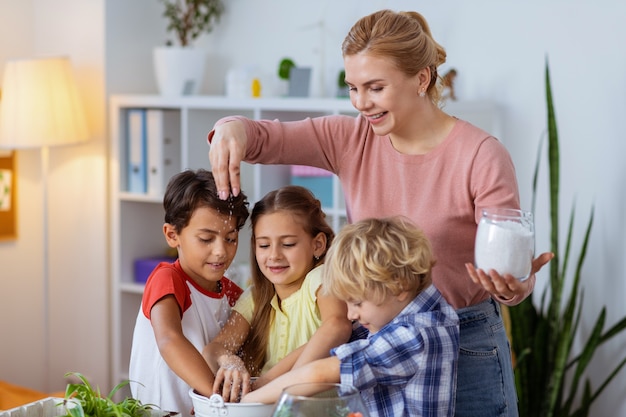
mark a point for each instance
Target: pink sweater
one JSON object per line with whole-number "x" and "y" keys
{"x": 442, "y": 191}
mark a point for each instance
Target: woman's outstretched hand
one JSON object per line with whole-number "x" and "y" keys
{"x": 227, "y": 149}
{"x": 506, "y": 287}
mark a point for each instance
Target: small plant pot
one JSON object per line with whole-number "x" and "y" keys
{"x": 179, "y": 71}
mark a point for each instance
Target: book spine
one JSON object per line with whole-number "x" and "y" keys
{"x": 163, "y": 127}
{"x": 136, "y": 141}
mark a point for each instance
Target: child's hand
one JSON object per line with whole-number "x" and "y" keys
{"x": 232, "y": 380}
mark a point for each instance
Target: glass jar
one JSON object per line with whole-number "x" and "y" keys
{"x": 505, "y": 242}
{"x": 320, "y": 399}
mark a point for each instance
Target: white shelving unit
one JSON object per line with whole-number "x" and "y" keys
{"x": 136, "y": 219}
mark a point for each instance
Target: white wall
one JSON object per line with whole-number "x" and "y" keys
{"x": 499, "y": 49}
{"x": 78, "y": 318}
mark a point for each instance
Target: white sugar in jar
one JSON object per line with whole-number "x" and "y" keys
{"x": 505, "y": 242}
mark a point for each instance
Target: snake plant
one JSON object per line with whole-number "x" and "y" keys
{"x": 549, "y": 374}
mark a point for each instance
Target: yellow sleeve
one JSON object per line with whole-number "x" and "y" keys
{"x": 313, "y": 282}
{"x": 245, "y": 305}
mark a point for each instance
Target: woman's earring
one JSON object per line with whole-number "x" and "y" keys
{"x": 317, "y": 258}
{"x": 422, "y": 93}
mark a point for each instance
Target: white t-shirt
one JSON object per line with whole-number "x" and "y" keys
{"x": 204, "y": 314}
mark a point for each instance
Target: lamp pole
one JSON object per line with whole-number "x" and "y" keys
{"x": 45, "y": 162}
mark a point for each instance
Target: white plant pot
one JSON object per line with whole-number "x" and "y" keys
{"x": 179, "y": 71}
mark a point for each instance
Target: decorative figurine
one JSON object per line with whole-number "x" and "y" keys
{"x": 448, "y": 84}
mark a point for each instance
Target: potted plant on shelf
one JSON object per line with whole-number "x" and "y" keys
{"x": 284, "y": 71}
{"x": 179, "y": 67}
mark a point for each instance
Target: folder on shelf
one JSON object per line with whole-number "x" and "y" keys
{"x": 136, "y": 142}
{"x": 163, "y": 141}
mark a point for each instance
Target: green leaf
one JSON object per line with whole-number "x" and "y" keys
{"x": 284, "y": 68}
{"x": 88, "y": 402}
{"x": 586, "y": 356}
{"x": 608, "y": 380}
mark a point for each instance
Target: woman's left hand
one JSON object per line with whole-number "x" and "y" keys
{"x": 506, "y": 287}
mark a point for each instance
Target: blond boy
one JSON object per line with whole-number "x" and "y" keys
{"x": 407, "y": 364}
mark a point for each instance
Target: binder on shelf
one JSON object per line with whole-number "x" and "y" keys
{"x": 163, "y": 142}
{"x": 136, "y": 142}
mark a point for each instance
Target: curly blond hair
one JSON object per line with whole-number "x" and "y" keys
{"x": 374, "y": 258}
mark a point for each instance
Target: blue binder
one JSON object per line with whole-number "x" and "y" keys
{"x": 136, "y": 151}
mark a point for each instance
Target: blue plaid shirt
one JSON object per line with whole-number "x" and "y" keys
{"x": 409, "y": 367}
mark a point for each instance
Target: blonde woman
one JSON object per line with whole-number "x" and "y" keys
{"x": 403, "y": 154}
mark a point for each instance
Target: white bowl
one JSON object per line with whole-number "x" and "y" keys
{"x": 215, "y": 406}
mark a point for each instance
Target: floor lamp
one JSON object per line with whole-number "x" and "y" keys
{"x": 40, "y": 107}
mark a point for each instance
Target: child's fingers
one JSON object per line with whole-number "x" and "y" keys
{"x": 246, "y": 386}
{"x": 219, "y": 380}
{"x": 231, "y": 387}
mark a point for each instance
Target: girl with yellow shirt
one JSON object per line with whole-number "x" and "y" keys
{"x": 283, "y": 320}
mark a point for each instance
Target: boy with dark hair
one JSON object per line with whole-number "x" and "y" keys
{"x": 186, "y": 303}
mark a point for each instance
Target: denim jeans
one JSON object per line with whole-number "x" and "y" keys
{"x": 485, "y": 381}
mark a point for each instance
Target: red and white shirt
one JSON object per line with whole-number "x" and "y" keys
{"x": 203, "y": 315}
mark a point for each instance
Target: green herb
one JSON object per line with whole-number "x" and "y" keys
{"x": 82, "y": 400}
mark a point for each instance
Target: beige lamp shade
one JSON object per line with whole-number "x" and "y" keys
{"x": 40, "y": 105}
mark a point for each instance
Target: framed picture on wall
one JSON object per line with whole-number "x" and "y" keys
{"x": 8, "y": 196}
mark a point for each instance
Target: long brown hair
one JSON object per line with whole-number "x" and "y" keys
{"x": 302, "y": 204}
